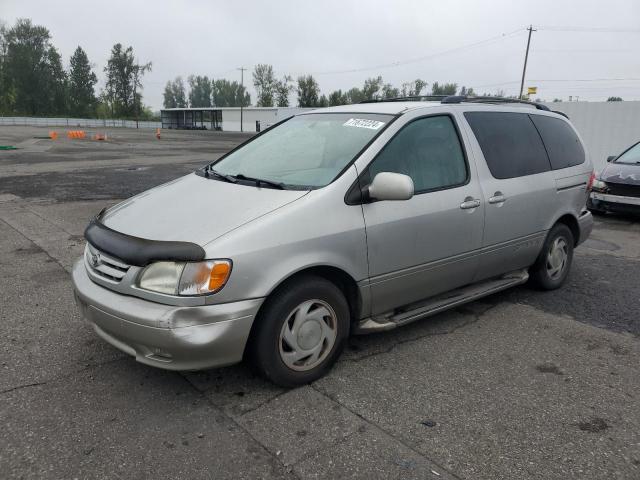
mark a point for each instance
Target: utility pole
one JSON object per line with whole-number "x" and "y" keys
{"x": 526, "y": 57}
{"x": 242, "y": 69}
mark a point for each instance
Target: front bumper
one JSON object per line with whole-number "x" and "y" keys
{"x": 166, "y": 336}
{"x": 614, "y": 203}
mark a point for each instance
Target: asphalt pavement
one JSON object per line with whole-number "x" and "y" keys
{"x": 522, "y": 384}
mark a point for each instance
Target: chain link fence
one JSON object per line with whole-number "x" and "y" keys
{"x": 77, "y": 122}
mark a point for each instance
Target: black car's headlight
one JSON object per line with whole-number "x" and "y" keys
{"x": 599, "y": 185}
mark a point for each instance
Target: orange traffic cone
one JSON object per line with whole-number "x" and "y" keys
{"x": 53, "y": 135}
{"x": 158, "y": 133}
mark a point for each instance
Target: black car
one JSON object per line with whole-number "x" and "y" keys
{"x": 617, "y": 187}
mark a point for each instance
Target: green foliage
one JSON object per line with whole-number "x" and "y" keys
{"x": 284, "y": 88}
{"x": 413, "y": 89}
{"x": 123, "y": 82}
{"x": 230, "y": 94}
{"x": 614, "y": 99}
{"x": 264, "y": 82}
{"x": 200, "y": 91}
{"x": 33, "y": 79}
{"x": 445, "y": 89}
{"x": 174, "y": 95}
{"x": 371, "y": 88}
{"x": 308, "y": 91}
{"x": 467, "y": 91}
{"x": 82, "y": 80}
{"x": 389, "y": 91}
{"x": 338, "y": 98}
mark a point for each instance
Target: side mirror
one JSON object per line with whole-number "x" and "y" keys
{"x": 611, "y": 158}
{"x": 390, "y": 186}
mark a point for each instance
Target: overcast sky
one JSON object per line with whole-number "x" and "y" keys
{"x": 405, "y": 39}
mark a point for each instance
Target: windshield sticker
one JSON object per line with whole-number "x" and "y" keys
{"x": 363, "y": 123}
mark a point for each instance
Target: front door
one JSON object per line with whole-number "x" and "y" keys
{"x": 426, "y": 245}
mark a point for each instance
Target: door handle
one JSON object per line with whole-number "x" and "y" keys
{"x": 470, "y": 203}
{"x": 498, "y": 197}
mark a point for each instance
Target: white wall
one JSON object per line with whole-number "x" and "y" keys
{"x": 607, "y": 128}
{"x": 267, "y": 116}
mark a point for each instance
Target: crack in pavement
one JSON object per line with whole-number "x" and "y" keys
{"x": 273, "y": 456}
{"x": 46, "y": 252}
{"x": 64, "y": 376}
{"x": 390, "y": 435}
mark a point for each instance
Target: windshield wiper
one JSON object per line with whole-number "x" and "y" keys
{"x": 260, "y": 181}
{"x": 210, "y": 171}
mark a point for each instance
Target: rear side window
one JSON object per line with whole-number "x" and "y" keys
{"x": 510, "y": 143}
{"x": 563, "y": 145}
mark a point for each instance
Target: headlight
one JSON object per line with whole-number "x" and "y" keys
{"x": 598, "y": 185}
{"x": 185, "y": 278}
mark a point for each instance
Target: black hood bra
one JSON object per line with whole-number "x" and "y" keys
{"x": 139, "y": 251}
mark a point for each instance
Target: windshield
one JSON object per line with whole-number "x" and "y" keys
{"x": 307, "y": 151}
{"x": 630, "y": 156}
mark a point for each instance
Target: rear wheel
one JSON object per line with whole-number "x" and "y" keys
{"x": 554, "y": 262}
{"x": 300, "y": 332}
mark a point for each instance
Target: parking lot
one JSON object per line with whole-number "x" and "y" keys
{"x": 522, "y": 384}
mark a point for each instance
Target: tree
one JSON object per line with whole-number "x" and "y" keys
{"x": 445, "y": 89}
{"x": 283, "y": 88}
{"x": 124, "y": 82}
{"x": 413, "y": 89}
{"x": 355, "y": 95}
{"x": 7, "y": 92}
{"x": 338, "y": 98}
{"x": 174, "y": 96}
{"x": 467, "y": 91}
{"x": 614, "y": 99}
{"x": 308, "y": 91}
{"x": 82, "y": 80}
{"x": 323, "y": 101}
{"x": 264, "y": 82}
{"x": 200, "y": 91}
{"x": 389, "y": 91}
{"x": 371, "y": 88}
{"x": 34, "y": 81}
{"x": 229, "y": 94}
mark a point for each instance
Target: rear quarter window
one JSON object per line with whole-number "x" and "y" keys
{"x": 562, "y": 143}
{"x": 510, "y": 143}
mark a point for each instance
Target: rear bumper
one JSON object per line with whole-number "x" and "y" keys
{"x": 165, "y": 336}
{"x": 613, "y": 203}
{"x": 585, "y": 223}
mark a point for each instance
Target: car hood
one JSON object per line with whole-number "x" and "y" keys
{"x": 194, "y": 209}
{"x": 621, "y": 173}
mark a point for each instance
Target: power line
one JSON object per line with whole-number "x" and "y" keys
{"x": 559, "y": 80}
{"x": 587, "y": 29}
{"x": 426, "y": 57}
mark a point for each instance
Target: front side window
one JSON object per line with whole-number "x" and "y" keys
{"x": 307, "y": 151}
{"x": 428, "y": 150}
{"x": 631, "y": 156}
{"x": 510, "y": 143}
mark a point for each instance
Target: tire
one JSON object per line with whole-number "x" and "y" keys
{"x": 309, "y": 314}
{"x": 552, "y": 267}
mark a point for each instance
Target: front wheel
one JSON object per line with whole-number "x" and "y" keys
{"x": 554, "y": 262}
{"x": 300, "y": 332}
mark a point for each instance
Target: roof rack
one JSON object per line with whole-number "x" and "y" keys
{"x": 457, "y": 99}
{"x": 466, "y": 99}
{"x": 409, "y": 98}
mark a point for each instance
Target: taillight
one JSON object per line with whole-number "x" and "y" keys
{"x": 590, "y": 182}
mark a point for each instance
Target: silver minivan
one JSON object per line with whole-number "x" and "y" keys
{"x": 345, "y": 220}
